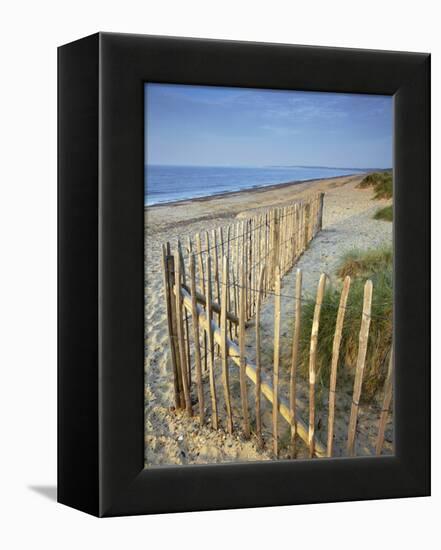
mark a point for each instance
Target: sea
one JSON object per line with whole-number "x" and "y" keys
{"x": 173, "y": 183}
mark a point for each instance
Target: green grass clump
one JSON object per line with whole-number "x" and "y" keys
{"x": 381, "y": 183}
{"x": 376, "y": 265}
{"x": 385, "y": 214}
{"x": 356, "y": 263}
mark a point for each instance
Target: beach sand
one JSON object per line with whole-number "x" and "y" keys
{"x": 173, "y": 438}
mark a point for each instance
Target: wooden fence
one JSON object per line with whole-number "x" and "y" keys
{"x": 216, "y": 285}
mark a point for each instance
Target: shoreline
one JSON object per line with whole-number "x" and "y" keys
{"x": 254, "y": 189}
{"x": 173, "y": 216}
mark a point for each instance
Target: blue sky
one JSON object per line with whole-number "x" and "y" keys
{"x": 217, "y": 126}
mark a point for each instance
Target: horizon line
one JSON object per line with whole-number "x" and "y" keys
{"x": 361, "y": 168}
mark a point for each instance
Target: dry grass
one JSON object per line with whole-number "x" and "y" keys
{"x": 381, "y": 182}
{"x": 357, "y": 263}
{"x": 376, "y": 265}
{"x": 385, "y": 214}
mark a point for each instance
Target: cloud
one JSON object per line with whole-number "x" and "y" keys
{"x": 276, "y": 104}
{"x": 305, "y": 109}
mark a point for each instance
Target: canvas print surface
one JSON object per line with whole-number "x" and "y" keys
{"x": 268, "y": 275}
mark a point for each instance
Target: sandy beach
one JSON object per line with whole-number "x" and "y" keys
{"x": 170, "y": 436}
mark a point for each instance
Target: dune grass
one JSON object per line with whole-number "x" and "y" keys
{"x": 376, "y": 265}
{"x": 357, "y": 263}
{"x": 385, "y": 214}
{"x": 381, "y": 182}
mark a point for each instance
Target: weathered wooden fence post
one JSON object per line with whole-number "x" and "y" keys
{"x": 168, "y": 293}
{"x": 313, "y": 361}
{"x": 276, "y": 257}
{"x": 202, "y": 286}
{"x": 276, "y": 362}
{"x": 386, "y": 404}
{"x": 235, "y": 277}
{"x": 294, "y": 359}
{"x": 334, "y": 362}
{"x": 258, "y": 357}
{"x": 208, "y": 310}
{"x": 196, "y": 346}
{"x": 320, "y": 211}
{"x": 303, "y": 227}
{"x": 242, "y": 375}
{"x": 216, "y": 276}
{"x": 361, "y": 359}
{"x": 180, "y": 326}
{"x": 174, "y": 317}
{"x": 187, "y": 331}
{"x": 224, "y": 347}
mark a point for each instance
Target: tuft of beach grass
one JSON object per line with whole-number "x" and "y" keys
{"x": 373, "y": 264}
{"x": 381, "y": 182}
{"x": 385, "y": 214}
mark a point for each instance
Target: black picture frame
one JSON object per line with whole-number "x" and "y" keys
{"x": 101, "y": 273}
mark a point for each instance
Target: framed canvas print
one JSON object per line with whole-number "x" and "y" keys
{"x": 244, "y": 274}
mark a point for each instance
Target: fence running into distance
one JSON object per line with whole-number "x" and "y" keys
{"x": 215, "y": 284}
